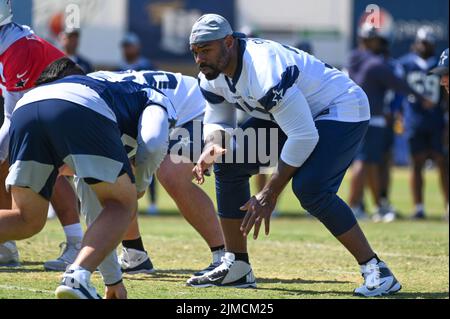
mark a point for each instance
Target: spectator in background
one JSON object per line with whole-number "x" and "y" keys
{"x": 425, "y": 125}
{"x": 442, "y": 71}
{"x": 132, "y": 57}
{"x": 133, "y": 60}
{"x": 370, "y": 69}
{"x": 69, "y": 40}
{"x": 392, "y": 112}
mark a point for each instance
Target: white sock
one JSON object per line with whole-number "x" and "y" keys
{"x": 419, "y": 207}
{"x": 78, "y": 268}
{"x": 73, "y": 231}
{"x": 218, "y": 254}
{"x": 75, "y": 267}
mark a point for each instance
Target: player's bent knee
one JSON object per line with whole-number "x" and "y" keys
{"x": 32, "y": 228}
{"x": 126, "y": 210}
{"x": 313, "y": 202}
{"x": 332, "y": 211}
{"x": 173, "y": 175}
{"x": 122, "y": 193}
{"x": 32, "y": 223}
{"x": 32, "y": 209}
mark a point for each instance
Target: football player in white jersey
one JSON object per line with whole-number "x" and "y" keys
{"x": 320, "y": 116}
{"x": 75, "y": 124}
{"x": 174, "y": 174}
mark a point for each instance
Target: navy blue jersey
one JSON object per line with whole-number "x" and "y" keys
{"x": 416, "y": 74}
{"x": 376, "y": 75}
{"x": 118, "y": 98}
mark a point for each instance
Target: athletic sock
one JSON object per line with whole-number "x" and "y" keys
{"x": 242, "y": 257}
{"x": 420, "y": 208}
{"x": 213, "y": 249}
{"x": 77, "y": 268}
{"x": 218, "y": 253}
{"x": 136, "y": 244}
{"x": 73, "y": 231}
{"x": 374, "y": 256}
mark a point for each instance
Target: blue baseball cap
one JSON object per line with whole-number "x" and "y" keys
{"x": 442, "y": 68}
{"x": 210, "y": 27}
{"x": 131, "y": 39}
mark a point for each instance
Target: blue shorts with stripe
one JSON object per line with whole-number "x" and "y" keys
{"x": 48, "y": 134}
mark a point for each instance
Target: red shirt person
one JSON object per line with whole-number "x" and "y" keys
{"x": 23, "y": 57}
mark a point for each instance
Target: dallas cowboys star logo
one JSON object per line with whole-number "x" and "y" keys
{"x": 277, "y": 96}
{"x": 444, "y": 57}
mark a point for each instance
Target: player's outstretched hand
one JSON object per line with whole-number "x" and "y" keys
{"x": 116, "y": 292}
{"x": 205, "y": 161}
{"x": 259, "y": 207}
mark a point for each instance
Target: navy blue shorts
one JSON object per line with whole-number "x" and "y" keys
{"x": 187, "y": 140}
{"x": 426, "y": 139}
{"x": 48, "y": 134}
{"x": 373, "y": 145}
{"x": 322, "y": 172}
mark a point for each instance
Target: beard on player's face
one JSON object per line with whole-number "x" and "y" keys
{"x": 212, "y": 70}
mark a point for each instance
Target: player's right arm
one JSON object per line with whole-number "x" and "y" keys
{"x": 153, "y": 142}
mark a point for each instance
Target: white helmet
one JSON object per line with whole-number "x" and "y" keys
{"x": 5, "y": 12}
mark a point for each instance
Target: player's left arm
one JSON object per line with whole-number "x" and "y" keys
{"x": 153, "y": 142}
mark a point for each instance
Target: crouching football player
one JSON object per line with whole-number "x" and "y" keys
{"x": 73, "y": 124}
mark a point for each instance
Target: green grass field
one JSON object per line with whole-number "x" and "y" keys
{"x": 300, "y": 259}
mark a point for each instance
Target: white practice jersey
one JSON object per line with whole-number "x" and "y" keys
{"x": 183, "y": 91}
{"x": 269, "y": 73}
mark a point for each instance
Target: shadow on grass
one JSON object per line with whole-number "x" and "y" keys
{"x": 347, "y": 294}
{"x": 298, "y": 281}
{"x": 26, "y": 267}
{"x": 291, "y": 215}
{"x": 308, "y": 292}
{"x": 15, "y": 270}
{"x": 164, "y": 275}
{"x": 170, "y": 213}
{"x": 181, "y": 275}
